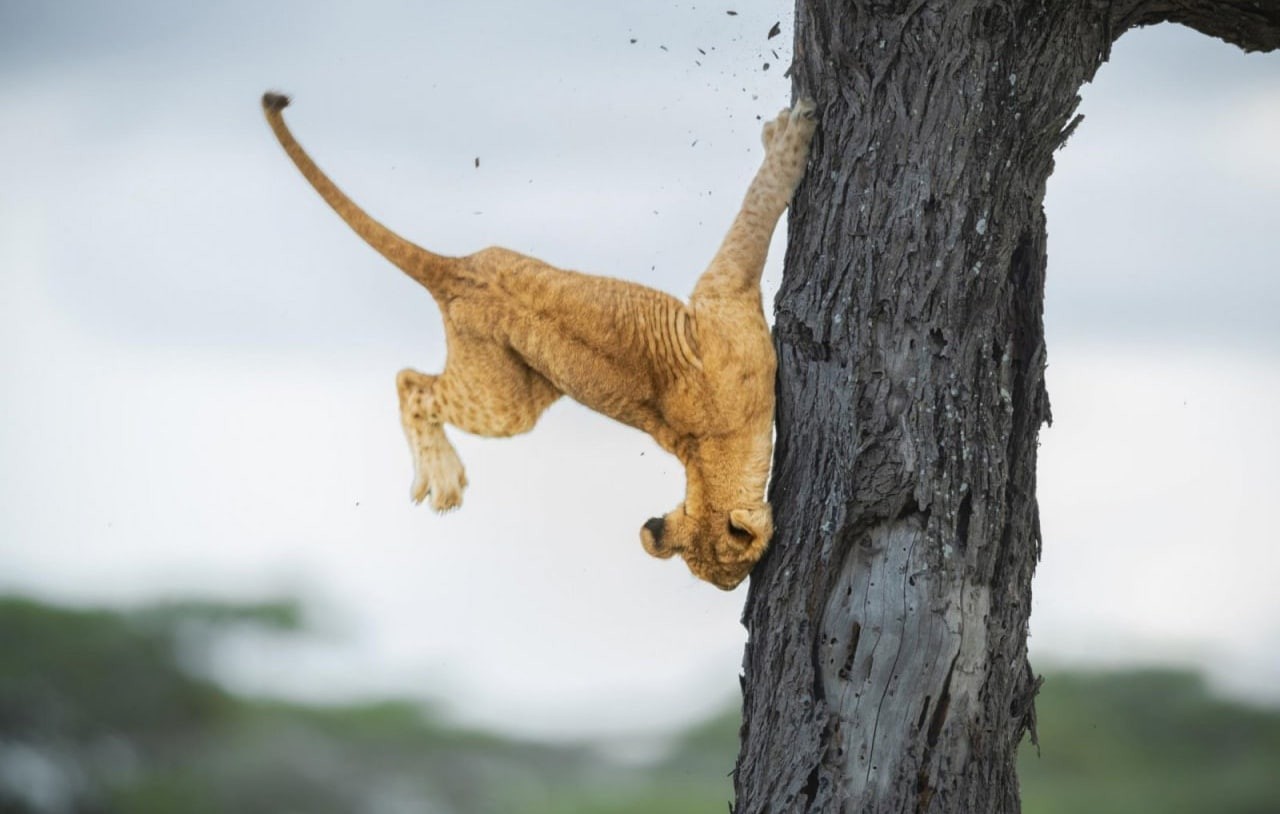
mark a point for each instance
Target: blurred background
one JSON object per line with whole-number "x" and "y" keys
{"x": 219, "y": 597}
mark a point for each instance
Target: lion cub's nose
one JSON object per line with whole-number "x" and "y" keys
{"x": 651, "y": 538}
{"x": 655, "y": 525}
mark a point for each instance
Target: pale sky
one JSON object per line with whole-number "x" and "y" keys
{"x": 198, "y": 357}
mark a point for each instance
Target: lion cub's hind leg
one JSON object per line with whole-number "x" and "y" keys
{"x": 485, "y": 390}
{"x": 437, "y": 470}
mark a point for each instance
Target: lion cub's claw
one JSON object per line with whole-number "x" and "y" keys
{"x": 806, "y": 108}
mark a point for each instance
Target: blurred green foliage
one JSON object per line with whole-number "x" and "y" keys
{"x": 106, "y": 711}
{"x": 1151, "y": 741}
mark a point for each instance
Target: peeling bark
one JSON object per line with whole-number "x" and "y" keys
{"x": 886, "y": 665}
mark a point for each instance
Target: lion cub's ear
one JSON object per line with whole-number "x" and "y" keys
{"x": 753, "y": 528}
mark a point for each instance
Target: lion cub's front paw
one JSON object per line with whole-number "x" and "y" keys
{"x": 773, "y": 128}
{"x": 791, "y": 129}
{"x": 786, "y": 141}
{"x": 438, "y": 472}
{"x": 793, "y": 143}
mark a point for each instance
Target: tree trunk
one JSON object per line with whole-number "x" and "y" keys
{"x": 886, "y": 667}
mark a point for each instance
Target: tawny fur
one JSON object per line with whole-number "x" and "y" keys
{"x": 699, "y": 377}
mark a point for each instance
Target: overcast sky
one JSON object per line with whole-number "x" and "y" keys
{"x": 198, "y": 357}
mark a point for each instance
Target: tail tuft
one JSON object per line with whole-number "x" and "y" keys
{"x": 274, "y": 101}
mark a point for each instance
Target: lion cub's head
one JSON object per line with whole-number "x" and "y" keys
{"x": 720, "y": 547}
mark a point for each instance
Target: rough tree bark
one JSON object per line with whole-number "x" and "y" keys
{"x": 886, "y": 668}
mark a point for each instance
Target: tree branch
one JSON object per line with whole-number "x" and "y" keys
{"x": 1252, "y": 25}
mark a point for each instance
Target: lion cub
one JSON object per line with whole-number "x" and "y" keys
{"x": 696, "y": 377}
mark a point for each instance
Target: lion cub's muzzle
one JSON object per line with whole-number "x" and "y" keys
{"x": 723, "y": 558}
{"x": 651, "y": 537}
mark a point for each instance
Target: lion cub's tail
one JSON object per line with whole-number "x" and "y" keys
{"x": 426, "y": 267}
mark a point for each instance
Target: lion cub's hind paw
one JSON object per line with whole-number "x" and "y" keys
{"x": 447, "y": 499}
{"x": 438, "y": 474}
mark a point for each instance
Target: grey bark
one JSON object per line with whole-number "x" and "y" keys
{"x": 886, "y": 667}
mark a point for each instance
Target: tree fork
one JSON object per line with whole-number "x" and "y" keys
{"x": 886, "y": 666}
